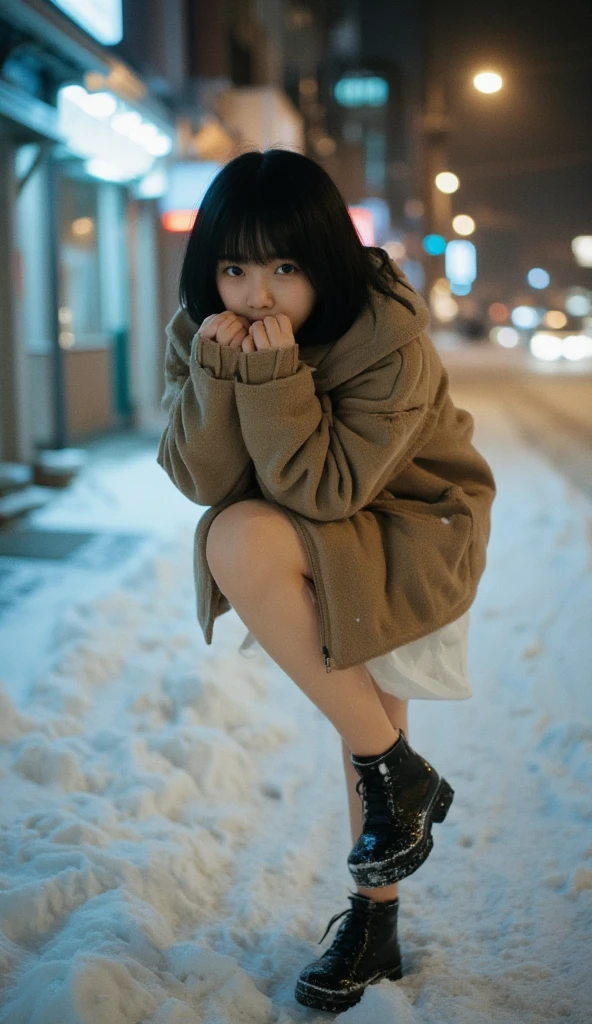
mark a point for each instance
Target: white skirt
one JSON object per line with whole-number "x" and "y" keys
{"x": 432, "y": 668}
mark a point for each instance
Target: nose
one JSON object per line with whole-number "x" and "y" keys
{"x": 258, "y": 295}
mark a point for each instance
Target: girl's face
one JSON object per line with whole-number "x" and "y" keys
{"x": 254, "y": 291}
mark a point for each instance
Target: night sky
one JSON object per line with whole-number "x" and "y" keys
{"x": 524, "y": 156}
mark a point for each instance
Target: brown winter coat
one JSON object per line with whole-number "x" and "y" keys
{"x": 367, "y": 455}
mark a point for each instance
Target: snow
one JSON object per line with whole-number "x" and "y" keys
{"x": 173, "y": 817}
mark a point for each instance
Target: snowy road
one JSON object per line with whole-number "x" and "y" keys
{"x": 159, "y": 861}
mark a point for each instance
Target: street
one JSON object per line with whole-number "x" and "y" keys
{"x": 159, "y": 856}
{"x": 550, "y": 405}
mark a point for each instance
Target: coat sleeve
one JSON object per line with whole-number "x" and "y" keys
{"x": 327, "y": 458}
{"x": 201, "y": 448}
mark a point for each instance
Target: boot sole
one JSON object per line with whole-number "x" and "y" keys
{"x": 333, "y": 1002}
{"x": 391, "y": 871}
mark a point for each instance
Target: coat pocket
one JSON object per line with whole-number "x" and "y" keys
{"x": 450, "y": 502}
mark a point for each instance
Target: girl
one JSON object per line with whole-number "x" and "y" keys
{"x": 349, "y": 510}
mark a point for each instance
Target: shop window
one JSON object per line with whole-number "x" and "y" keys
{"x": 80, "y": 298}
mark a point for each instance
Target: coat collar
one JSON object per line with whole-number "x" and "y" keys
{"x": 380, "y": 329}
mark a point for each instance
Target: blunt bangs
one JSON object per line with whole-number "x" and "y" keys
{"x": 282, "y": 205}
{"x": 256, "y": 234}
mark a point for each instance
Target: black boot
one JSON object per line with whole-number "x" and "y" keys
{"x": 402, "y": 796}
{"x": 364, "y": 950}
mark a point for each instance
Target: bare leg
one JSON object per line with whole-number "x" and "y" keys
{"x": 397, "y": 712}
{"x": 259, "y": 563}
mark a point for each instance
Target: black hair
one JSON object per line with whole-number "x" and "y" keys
{"x": 280, "y": 204}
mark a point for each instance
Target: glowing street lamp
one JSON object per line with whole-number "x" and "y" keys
{"x": 438, "y": 183}
{"x": 488, "y": 81}
{"x": 447, "y": 182}
{"x": 582, "y": 250}
{"x": 463, "y": 224}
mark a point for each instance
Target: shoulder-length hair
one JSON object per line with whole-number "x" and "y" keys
{"x": 279, "y": 204}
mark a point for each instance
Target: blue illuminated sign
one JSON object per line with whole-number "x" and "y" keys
{"x": 100, "y": 18}
{"x": 461, "y": 262}
{"x": 361, "y": 92}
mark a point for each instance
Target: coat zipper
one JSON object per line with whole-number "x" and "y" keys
{"x": 320, "y": 594}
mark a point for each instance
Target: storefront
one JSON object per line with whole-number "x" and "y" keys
{"x": 92, "y": 254}
{"x": 79, "y": 177}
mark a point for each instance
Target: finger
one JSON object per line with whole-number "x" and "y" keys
{"x": 228, "y": 329}
{"x": 285, "y": 324}
{"x": 287, "y": 335}
{"x": 248, "y": 344}
{"x": 206, "y": 327}
{"x": 279, "y": 330}
{"x": 259, "y": 335}
{"x": 231, "y": 323}
{"x": 243, "y": 319}
{"x": 238, "y": 338}
{"x": 211, "y": 324}
{"x": 274, "y": 331}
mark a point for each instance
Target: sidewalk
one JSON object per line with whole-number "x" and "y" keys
{"x": 159, "y": 858}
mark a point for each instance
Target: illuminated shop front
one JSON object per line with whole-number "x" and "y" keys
{"x": 82, "y": 165}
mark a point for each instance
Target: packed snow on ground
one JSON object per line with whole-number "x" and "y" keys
{"x": 174, "y": 827}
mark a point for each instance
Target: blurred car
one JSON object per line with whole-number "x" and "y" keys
{"x": 472, "y": 329}
{"x": 553, "y": 346}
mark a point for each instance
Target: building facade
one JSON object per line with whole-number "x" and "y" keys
{"x": 114, "y": 116}
{"x": 100, "y": 103}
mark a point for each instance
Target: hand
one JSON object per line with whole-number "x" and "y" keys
{"x": 271, "y": 332}
{"x": 227, "y": 328}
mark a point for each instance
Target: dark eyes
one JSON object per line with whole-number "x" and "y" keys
{"x": 284, "y": 269}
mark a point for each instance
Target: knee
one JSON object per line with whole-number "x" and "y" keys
{"x": 228, "y": 539}
{"x": 250, "y": 538}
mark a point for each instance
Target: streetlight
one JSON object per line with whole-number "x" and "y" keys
{"x": 488, "y": 81}
{"x": 447, "y": 182}
{"x": 463, "y": 224}
{"x": 582, "y": 250}
{"x": 437, "y": 183}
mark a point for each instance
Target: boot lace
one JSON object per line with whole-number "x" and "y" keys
{"x": 345, "y": 938}
{"x": 375, "y": 799}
